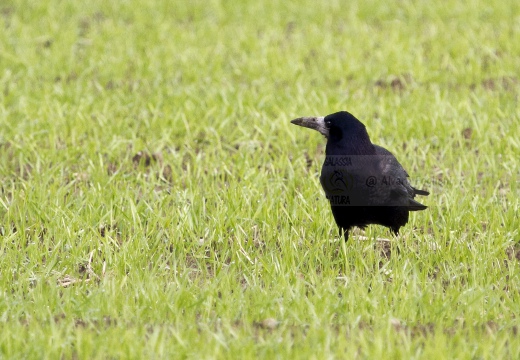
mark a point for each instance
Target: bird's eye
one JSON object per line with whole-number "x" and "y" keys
{"x": 327, "y": 123}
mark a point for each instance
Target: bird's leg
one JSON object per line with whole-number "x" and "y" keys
{"x": 395, "y": 231}
{"x": 344, "y": 231}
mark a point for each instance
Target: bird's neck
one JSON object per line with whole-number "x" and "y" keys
{"x": 350, "y": 146}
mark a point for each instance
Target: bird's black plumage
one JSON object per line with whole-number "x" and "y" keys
{"x": 364, "y": 183}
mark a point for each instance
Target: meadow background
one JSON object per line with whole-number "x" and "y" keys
{"x": 156, "y": 202}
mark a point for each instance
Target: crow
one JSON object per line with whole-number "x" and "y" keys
{"x": 364, "y": 182}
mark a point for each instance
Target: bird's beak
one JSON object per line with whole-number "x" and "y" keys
{"x": 316, "y": 123}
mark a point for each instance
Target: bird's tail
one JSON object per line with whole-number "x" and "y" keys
{"x": 416, "y": 206}
{"x": 421, "y": 192}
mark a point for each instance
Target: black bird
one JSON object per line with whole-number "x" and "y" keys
{"x": 364, "y": 182}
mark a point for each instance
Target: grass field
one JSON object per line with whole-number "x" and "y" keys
{"x": 156, "y": 202}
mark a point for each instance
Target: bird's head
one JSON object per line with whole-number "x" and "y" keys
{"x": 334, "y": 126}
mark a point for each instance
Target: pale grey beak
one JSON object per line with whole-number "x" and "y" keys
{"x": 313, "y": 122}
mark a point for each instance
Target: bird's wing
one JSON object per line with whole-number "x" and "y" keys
{"x": 395, "y": 187}
{"x": 396, "y": 169}
{"x": 367, "y": 180}
{"x": 384, "y": 152}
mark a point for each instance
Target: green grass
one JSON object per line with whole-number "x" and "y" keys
{"x": 217, "y": 241}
